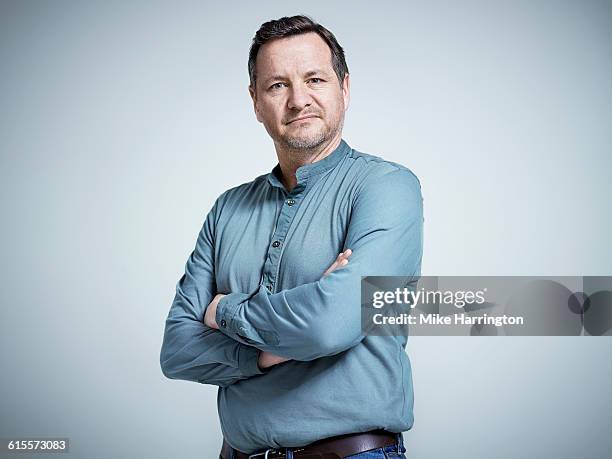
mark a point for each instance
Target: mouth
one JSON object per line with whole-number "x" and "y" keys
{"x": 302, "y": 118}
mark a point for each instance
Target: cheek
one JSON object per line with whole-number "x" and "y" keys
{"x": 334, "y": 108}
{"x": 333, "y": 103}
{"x": 270, "y": 113}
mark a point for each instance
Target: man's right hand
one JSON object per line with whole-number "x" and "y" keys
{"x": 267, "y": 359}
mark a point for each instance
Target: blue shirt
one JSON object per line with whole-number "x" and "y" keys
{"x": 267, "y": 249}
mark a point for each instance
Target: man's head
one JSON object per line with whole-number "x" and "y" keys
{"x": 299, "y": 82}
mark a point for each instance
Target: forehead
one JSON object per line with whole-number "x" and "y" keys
{"x": 298, "y": 53}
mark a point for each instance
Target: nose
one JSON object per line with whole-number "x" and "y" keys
{"x": 299, "y": 97}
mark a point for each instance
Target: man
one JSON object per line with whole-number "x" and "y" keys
{"x": 267, "y": 310}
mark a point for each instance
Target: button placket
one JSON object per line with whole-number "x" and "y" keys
{"x": 285, "y": 217}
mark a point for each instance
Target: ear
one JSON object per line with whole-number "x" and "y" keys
{"x": 346, "y": 91}
{"x": 253, "y": 93}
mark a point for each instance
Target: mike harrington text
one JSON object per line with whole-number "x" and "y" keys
{"x": 454, "y": 319}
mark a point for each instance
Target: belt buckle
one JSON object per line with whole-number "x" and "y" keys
{"x": 263, "y": 455}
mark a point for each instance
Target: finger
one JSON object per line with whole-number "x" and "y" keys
{"x": 336, "y": 265}
{"x": 341, "y": 260}
{"x": 331, "y": 268}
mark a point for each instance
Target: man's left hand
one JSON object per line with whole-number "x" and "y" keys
{"x": 211, "y": 312}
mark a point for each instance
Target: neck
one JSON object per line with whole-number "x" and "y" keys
{"x": 291, "y": 159}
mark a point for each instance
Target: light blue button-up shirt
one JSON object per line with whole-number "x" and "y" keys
{"x": 267, "y": 249}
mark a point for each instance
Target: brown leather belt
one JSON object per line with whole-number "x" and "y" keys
{"x": 328, "y": 448}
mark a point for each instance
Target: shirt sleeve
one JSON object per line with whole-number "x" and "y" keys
{"x": 323, "y": 318}
{"x": 191, "y": 350}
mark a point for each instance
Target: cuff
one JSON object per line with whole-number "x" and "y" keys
{"x": 226, "y": 313}
{"x": 232, "y": 321}
{"x": 248, "y": 357}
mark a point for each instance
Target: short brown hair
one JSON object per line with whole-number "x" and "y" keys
{"x": 296, "y": 25}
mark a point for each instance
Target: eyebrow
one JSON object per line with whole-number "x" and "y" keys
{"x": 306, "y": 75}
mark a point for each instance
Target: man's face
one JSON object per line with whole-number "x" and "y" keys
{"x": 297, "y": 96}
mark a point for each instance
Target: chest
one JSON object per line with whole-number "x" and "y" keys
{"x": 278, "y": 241}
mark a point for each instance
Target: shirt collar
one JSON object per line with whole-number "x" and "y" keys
{"x": 306, "y": 171}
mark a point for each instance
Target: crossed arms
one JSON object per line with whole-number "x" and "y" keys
{"x": 307, "y": 322}
{"x": 267, "y": 359}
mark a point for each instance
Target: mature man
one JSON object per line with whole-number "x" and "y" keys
{"x": 267, "y": 310}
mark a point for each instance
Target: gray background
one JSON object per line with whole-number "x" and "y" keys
{"x": 121, "y": 122}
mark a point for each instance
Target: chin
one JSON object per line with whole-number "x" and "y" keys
{"x": 304, "y": 143}
{"x": 311, "y": 140}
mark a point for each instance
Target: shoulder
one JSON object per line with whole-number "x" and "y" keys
{"x": 380, "y": 176}
{"x": 241, "y": 192}
{"x": 386, "y": 193}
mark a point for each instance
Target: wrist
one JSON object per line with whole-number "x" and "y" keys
{"x": 262, "y": 361}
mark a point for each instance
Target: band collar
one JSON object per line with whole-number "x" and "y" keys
{"x": 305, "y": 172}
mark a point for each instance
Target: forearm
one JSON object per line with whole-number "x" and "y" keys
{"x": 194, "y": 352}
{"x": 299, "y": 324}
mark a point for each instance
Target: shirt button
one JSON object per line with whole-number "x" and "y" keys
{"x": 290, "y": 202}
{"x": 275, "y": 244}
{"x": 223, "y": 323}
{"x": 269, "y": 287}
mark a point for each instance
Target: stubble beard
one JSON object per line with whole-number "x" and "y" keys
{"x": 310, "y": 141}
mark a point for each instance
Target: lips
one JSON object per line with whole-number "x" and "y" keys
{"x": 305, "y": 117}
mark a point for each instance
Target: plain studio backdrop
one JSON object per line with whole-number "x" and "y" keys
{"x": 121, "y": 122}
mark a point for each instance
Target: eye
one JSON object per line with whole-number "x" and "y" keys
{"x": 316, "y": 80}
{"x": 277, "y": 86}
